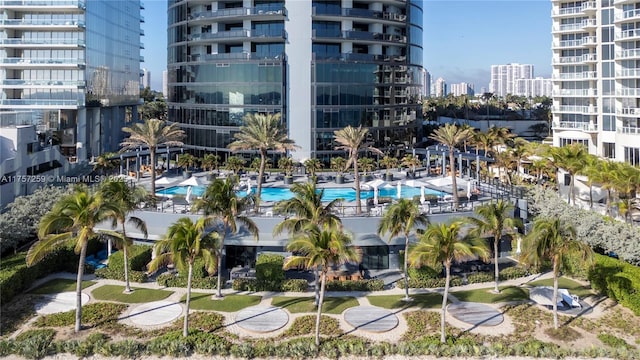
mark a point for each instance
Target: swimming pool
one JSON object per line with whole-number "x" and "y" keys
{"x": 279, "y": 193}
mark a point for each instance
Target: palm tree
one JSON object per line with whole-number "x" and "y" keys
{"x": 494, "y": 219}
{"x": 152, "y": 133}
{"x": 312, "y": 166}
{"x": 186, "y": 161}
{"x": 388, "y": 162}
{"x": 410, "y": 162}
{"x": 210, "y": 162}
{"x": 353, "y": 140}
{"x": 572, "y": 158}
{"x": 106, "y": 162}
{"x": 338, "y": 164}
{"x": 220, "y": 203}
{"x": 444, "y": 244}
{"x": 235, "y": 164}
{"x": 126, "y": 200}
{"x": 403, "y": 218}
{"x": 72, "y": 220}
{"x": 451, "y": 136}
{"x": 366, "y": 164}
{"x": 320, "y": 248}
{"x": 262, "y": 132}
{"x": 551, "y": 239}
{"x": 307, "y": 208}
{"x": 625, "y": 181}
{"x": 185, "y": 242}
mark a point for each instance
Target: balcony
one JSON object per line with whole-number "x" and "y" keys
{"x": 238, "y": 34}
{"x": 633, "y": 34}
{"x": 629, "y": 15}
{"x": 575, "y": 92}
{"x": 589, "y": 24}
{"x": 628, "y": 73}
{"x": 628, "y": 54}
{"x": 589, "y": 7}
{"x": 585, "y": 75}
{"x": 567, "y": 44}
{"x": 240, "y": 56}
{"x": 629, "y": 112}
{"x": 42, "y": 102}
{"x": 55, "y": 4}
{"x": 589, "y": 58}
{"x": 349, "y": 57}
{"x": 575, "y": 125}
{"x": 628, "y": 130}
{"x": 57, "y": 24}
{"x": 628, "y": 92}
{"x": 568, "y": 28}
{"x": 262, "y": 11}
{"x": 575, "y": 59}
{"x": 568, "y": 11}
{"x": 42, "y": 43}
{"x": 575, "y": 109}
{"x": 28, "y": 63}
{"x": 19, "y": 83}
{"x": 589, "y": 41}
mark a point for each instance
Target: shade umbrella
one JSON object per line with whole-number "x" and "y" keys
{"x": 468, "y": 189}
{"x": 188, "y": 197}
{"x": 399, "y": 195}
{"x": 248, "y": 187}
{"x": 375, "y": 196}
{"x": 422, "y": 199}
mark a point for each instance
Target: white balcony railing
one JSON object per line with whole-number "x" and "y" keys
{"x": 628, "y": 73}
{"x": 628, "y": 34}
{"x": 576, "y": 75}
{"x": 575, "y": 92}
{"x": 629, "y": 130}
{"x": 577, "y": 125}
{"x": 628, "y": 15}
{"x": 629, "y": 111}
{"x": 628, "y": 54}
{"x": 628, "y": 92}
{"x": 577, "y": 109}
{"x": 588, "y": 23}
{"x": 588, "y": 6}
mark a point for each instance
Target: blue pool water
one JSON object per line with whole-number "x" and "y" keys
{"x": 278, "y": 193}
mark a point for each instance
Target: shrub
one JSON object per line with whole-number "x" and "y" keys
{"x": 356, "y": 285}
{"x": 139, "y": 257}
{"x": 295, "y": 285}
{"x": 176, "y": 280}
{"x": 269, "y": 272}
{"x": 480, "y": 277}
{"x": 424, "y": 273}
{"x": 92, "y": 314}
{"x": 564, "y": 333}
{"x": 618, "y": 280}
{"x": 242, "y": 284}
{"x": 429, "y": 283}
{"x": 612, "y": 341}
{"x": 305, "y": 325}
{"x": 513, "y": 272}
{"x": 34, "y": 344}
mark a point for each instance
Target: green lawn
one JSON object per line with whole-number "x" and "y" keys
{"x": 139, "y": 295}
{"x": 423, "y": 301}
{"x": 230, "y": 303}
{"x": 508, "y": 293}
{"x": 330, "y": 305}
{"x": 59, "y": 285}
{"x": 565, "y": 283}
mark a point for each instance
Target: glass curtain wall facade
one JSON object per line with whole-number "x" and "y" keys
{"x": 75, "y": 64}
{"x": 596, "y": 74}
{"x": 322, "y": 64}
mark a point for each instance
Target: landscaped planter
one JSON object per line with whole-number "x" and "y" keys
{"x": 339, "y": 179}
{"x": 186, "y": 174}
{"x": 366, "y": 178}
{"x": 288, "y": 180}
{"x": 388, "y": 177}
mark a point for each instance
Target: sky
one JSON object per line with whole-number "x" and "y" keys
{"x": 462, "y": 38}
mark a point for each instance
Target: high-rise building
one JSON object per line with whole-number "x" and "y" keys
{"x": 596, "y": 77}
{"x": 427, "y": 84}
{"x": 461, "y": 89}
{"x": 165, "y": 83}
{"x": 145, "y": 79}
{"x": 323, "y": 65}
{"x": 439, "y": 88}
{"x": 75, "y": 65}
{"x": 534, "y": 87}
{"x": 503, "y": 77}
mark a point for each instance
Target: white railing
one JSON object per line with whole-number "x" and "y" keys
{"x": 628, "y": 53}
{"x": 567, "y": 11}
{"x": 627, "y": 34}
{"x": 585, "y": 126}
{"x": 588, "y": 40}
{"x": 628, "y": 73}
{"x": 628, "y": 92}
{"x": 628, "y": 130}
{"x": 588, "y": 23}
{"x": 629, "y": 14}
{"x": 575, "y": 92}
{"x": 629, "y": 111}
{"x": 589, "y": 5}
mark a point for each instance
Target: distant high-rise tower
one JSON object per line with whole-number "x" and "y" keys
{"x": 533, "y": 87}
{"x": 145, "y": 79}
{"x": 322, "y": 65}
{"x": 462, "y": 89}
{"x": 165, "y": 84}
{"x": 596, "y": 77}
{"x": 440, "y": 88}
{"x": 503, "y": 77}
{"x": 427, "y": 84}
{"x": 75, "y": 64}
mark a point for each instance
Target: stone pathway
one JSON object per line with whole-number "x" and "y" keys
{"x": 371, "y": 318}
{"x": 262, "y": 319}
{"x": 475, "y": 313}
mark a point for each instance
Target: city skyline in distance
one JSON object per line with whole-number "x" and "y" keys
{"x": 462, "y": 38}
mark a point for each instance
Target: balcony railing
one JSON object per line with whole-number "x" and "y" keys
{"x": 20, "y": 82}
{"x": 244, "y": 11}
{"x": 577, "y": 75}
{"x": 629, "y": 130}
{"x": 631, "y": 111}
{"x": 628, "y": 54}
{"x": 628, "y": 73}
{"x": 37, "y": 22}
{"x": 578, "y": 125}
{"x": 578, "y": 109}
{"x": 628, "y": 15}
{"x": 628, "y": 34}
{"x": 239, "y": 34}
{"x": 51, "y": 42}
{"x": 240, "y": 56}
{"x": 567, "y": 11}
{"x": 41, "y": 61}
{"x": 588, "y": 6}
{"x": 568, "y": 27}
{"x": 589, "y": 40}
{"x": 575, "y": 92}
{"x": 41, "y": 102}
{"x": 574, "y": 59}
{"x": 40, "y": 3}
{"x": 628, "y": 92}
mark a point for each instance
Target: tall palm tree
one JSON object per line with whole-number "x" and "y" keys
{"x": 451, "y": 136}
{"x": 494, "y": 219}
{"x": 105, "y": 163}
{"x": 353, "y": 140}
{"x": 210, "y": 162}
{"x": 571, "y": 158}
{"x": 312, "y": 165}
{"x": 626, "y": 180}
{"x": 221, "y": 204}
{"x": 152, "y": 133}
{"x": 551, "y": 239}
{"x": 262, "y": 132}
{"x": 320, "y": 248}
{"x": 403, "y": 217}
{"x": 185, "y": 242}
{"x": 388, "y": 162}
{"x": 444, "y": 244}
{"x": 72, "y": 220}
{"x": 307, "y": 208}
{"x": 126, "y": 200}
{"x": 235, "y": 164}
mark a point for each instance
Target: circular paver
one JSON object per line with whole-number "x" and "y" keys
{"x": 262, "y": 318}
{"x": 60, "y": 303}
{"x": 155, "y": 313}
{"x": 370, "y": 318}
{"x": 475, "y": 314}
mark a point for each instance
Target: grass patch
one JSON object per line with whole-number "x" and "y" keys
{"x": 574, "y": 287}
{"x": 230, "y": 303}
{"x": 139, "y": 295}
{"x": 423, "y": 301}
{"x": 59, "y": 285}
{"x": 507, "y": 293}
{"x": 330, "y": 305}
{"x": 564, "y": 333}
{"x": 94, "y": 314}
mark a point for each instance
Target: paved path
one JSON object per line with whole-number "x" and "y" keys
{"x": 371, "y": 318}
{"x": 475, "y": 313}
{"x": 262, "y": 318}
{"x": 154, "y": 313}
{"x": 61, "y": 302}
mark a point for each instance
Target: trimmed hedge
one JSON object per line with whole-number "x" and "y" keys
{"x": 243, "y": 284}
{"x": 291, "y": 285}
{"x": 139, "y": 257}
{"x": 356, "y": 285}
{"x": 269, "y": 272}
{"x": 176, "y": 280}
{"x": 618, "y": 280}
{"x": 513, "y": 272}
{"x": 429, "y": 283}
{"x": 295, "y": 285}
{"x": 16, "y": 277}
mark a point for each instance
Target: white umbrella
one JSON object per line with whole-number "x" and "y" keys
{"x": 399, "y": 195}
{"x": 193, "y": 181}
{"x": 415, "y": 183}
{"x": 248, "y": 187}
{"x": 375, "y": 196}
{"x": 188, "y": 197}
{"x": 164, "y": 181}
{"x": 422, "y": 199}
{"x": 468, "y": 189}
